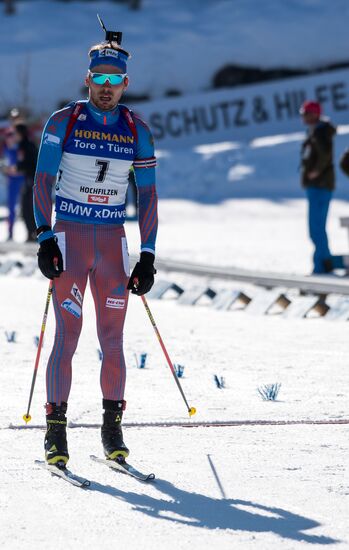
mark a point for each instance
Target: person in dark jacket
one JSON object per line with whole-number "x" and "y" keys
{"x": 27, "y": 156}
{"x": 318, "y": 180}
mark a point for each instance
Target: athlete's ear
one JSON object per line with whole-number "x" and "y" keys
{"x": 87, "y": 82}
{"x": 126, "y": 82}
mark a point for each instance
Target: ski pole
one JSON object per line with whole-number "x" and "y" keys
{"x": 191, "y": 410}
{"x": 26, "y": 417}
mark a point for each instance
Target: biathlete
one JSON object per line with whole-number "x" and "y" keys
{"x": 86, "y": 152}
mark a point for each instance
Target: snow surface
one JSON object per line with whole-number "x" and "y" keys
{"x": 233, "y": 204}
{"x": 279, "y": 487}
{"x": 283, "y": 486}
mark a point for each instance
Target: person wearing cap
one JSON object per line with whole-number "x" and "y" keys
{"x": 86, "y": 152}
{"x": 318, "y": 180}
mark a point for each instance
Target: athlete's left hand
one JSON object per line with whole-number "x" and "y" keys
{"x": 142, "y": 276}
{"x": 50, "y": 258}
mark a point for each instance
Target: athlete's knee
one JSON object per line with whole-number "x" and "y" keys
{"x": 111, "y": 343}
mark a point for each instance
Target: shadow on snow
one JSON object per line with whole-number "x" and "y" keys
{"x": 197, "y": 510}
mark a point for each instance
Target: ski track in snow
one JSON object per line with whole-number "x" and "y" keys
{"x": 285, "y": 486}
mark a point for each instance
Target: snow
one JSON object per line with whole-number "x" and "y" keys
{"x": 273, "y": 486}
{"x": 253, "y": 485}
{"x": 51, "y": 40}
{"x": 268, "y": 504}
{"x": 283, "y": 486}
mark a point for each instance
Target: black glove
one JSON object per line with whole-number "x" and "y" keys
{"x": 142, "y": 276}
{"x": 50, "y": 258}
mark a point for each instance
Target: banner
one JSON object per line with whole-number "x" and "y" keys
{"x": 246, "y": 112}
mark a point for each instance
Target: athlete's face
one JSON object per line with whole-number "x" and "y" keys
{"x": 105, "y": 96}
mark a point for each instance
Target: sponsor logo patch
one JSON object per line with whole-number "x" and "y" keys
{"x": 105, "y": 136}
{"x": 108, "y": 53}
{"x": 76, "y": 293}
{"x": 51, "y": 139}
{"x": 82, "y": 117}
{"x": 99, "y": 199}
{"x": 72, "y": 308}
{"x": 115, "y": 303}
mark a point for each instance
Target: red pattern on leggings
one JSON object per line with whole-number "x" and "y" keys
{"x": 94, "y": 252}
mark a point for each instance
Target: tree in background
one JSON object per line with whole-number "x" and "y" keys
{"x": 10, "y": 7}
{"x": 135, "y": 4}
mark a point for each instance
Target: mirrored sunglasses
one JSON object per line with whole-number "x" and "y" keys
{"x": 114, "y": 79}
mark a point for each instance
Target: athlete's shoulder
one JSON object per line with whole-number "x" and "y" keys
{"x": 145, "y": 137}
{"x": 139, "y": 122}
{"x": 66, "y": 112}
{"x": 59, "y": 120}
{"x": 62, "y": 114}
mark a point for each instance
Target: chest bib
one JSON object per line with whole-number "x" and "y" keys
{"x": 93, "y": 174}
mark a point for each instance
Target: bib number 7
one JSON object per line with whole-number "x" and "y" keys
{"x": 103, "y": 166}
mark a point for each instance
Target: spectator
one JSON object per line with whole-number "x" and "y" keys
{"x": 14, "y": 180}
{"x": 318, "y": 180}
{"x": 26, "y": 165}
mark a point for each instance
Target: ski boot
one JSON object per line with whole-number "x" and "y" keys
{"x": 56, "y": 449}
{"x": 112, "y": 440}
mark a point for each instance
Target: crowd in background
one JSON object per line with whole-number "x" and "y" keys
{"x": 18, "y": 152}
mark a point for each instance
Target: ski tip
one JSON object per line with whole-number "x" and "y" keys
{"x": 192, "y": 411}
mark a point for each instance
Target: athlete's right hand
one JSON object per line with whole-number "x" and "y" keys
{"x": 50, "y": 258}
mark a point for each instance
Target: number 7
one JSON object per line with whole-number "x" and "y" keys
{"x": 103, "y": 169}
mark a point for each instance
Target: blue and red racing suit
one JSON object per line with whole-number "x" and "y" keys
{"x": 87, "y": 154}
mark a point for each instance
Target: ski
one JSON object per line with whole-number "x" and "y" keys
{"x": 64, "y": 473}
{"x": 123, "y": 467}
